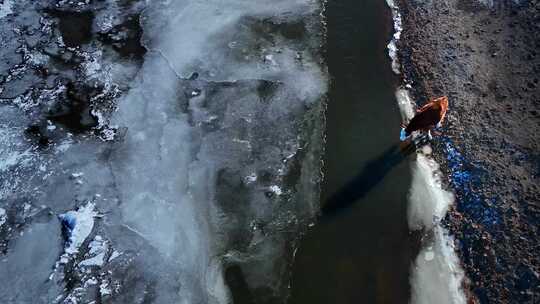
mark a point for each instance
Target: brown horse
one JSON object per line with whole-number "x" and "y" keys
{"x": 429, "y": 116}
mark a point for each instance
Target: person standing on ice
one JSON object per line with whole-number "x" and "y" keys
{"x": 428, "y": 117}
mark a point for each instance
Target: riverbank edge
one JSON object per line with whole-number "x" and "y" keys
{"x": 436, "y": 272}
{"x": 494, "y": 228}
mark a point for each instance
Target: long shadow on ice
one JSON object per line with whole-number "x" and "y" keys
{"x": 371, "y": 175}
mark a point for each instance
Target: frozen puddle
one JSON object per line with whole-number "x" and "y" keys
{"x": 437, "y": 276}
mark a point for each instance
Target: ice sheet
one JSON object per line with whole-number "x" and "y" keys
{"x": 225, "y": 90}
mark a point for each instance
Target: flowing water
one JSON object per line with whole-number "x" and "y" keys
{"x": 362, "y": 250}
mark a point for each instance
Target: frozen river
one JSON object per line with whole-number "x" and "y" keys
{"x": 156, "y": 151}
{"x": 171, "y": 152}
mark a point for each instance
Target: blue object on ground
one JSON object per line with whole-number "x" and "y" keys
{"x": 402, "y": 135}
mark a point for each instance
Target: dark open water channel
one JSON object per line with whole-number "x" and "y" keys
{"x": 361, "y": 253}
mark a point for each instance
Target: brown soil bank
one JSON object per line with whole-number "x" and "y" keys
{"x": 484, "y": 56}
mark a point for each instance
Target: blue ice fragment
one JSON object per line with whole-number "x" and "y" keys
{"x": 68, "y": 220}
{"x": 402, "y": 134}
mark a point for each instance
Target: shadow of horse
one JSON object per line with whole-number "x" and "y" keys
{"x": 370, "y": 176}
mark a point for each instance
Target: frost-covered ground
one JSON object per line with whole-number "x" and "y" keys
{"x": 149, "y": 147}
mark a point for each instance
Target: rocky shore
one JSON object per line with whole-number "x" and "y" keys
{"x": 484, "y": 56}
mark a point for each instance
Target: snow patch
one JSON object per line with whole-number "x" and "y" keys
{"x": 98, "y": 250}
{"x": 114, "y": 255}
{"x": 437, "y": 276}
{"x": 104, "y": 288}
{"x": 276, "y": 189}
{"x": 89, "y": 282}
{"x": 12, "y": 158}
{"x": 6, "y": 8}
{"x": 398, "y": 28}
{"x": 77, "y": 174}
{"x": 78, "y": 225}
{"x": 429, "y": 202}
{"x": 405, "y": 103}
